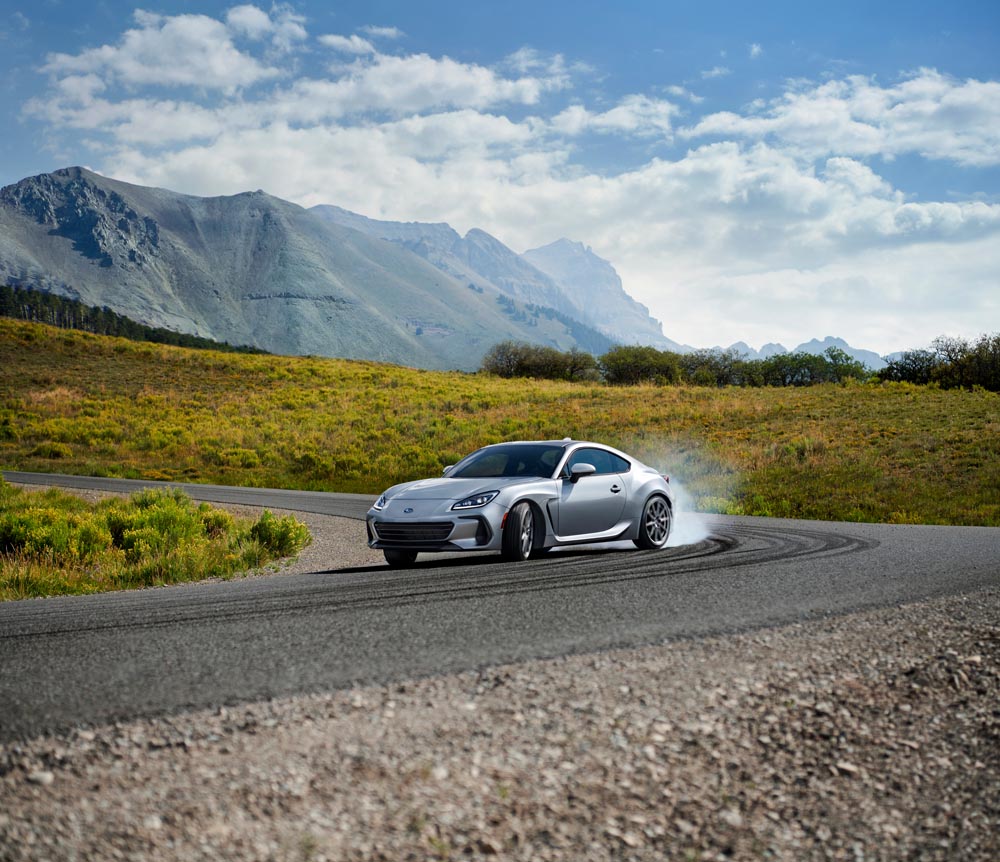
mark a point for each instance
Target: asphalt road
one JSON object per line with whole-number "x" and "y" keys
{"x": 90, "y": 659}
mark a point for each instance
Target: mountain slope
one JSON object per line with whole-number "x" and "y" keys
{"x": 565, "y": 275}
{"x": 592, "y": 283}
{"x": 477, "y": 258}
{"x": 250, "y": 269}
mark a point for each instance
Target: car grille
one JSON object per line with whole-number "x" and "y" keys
{"x": 415, "y": 532}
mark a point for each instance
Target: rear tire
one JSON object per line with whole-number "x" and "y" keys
{"x": 654, "y": 527}
{"x": 399, "y": 559}
{"x": 518, "y": 534}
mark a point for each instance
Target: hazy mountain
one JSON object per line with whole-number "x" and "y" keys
{"x": 253, "y": 269}
{"x": 476, "y": 258}
{"x": 867, "y": 357}
{"x": 771, "y": 349}
{"x": 740, "y": 348}
{"x": 815, "y": 346}
{"x": 596, "y": 288}
{"x": 565, "y": 275}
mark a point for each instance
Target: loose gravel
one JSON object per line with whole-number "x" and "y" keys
{"x": 874, "y": 736}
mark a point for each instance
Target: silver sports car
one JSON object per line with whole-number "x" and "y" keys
{"x": 522, "y": 499}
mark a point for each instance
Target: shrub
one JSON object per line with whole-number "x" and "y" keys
{"x": 518, "y": 359}
{"x": 281, "y": 536}
{"x": 637, "y": 364}
{"x": 52, "y": 542}
{"x": 51, "y": 450}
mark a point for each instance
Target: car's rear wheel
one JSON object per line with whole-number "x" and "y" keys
{"x": 398, "y": 558}
{"x": 654, "y": 528}
{"x": 518, "y": 534}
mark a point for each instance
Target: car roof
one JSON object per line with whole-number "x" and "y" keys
{"x": 565, "y": 442}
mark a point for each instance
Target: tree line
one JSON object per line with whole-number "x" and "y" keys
{"x": 952, "y": 363}
{"x": 41, "y": 307}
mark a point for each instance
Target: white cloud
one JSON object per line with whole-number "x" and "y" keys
{"x": 249, "y": 21}
{"x": 684, "y": 93}
{"x": 755, "y": 50}
{"x": 383, "y": 32}
{"x": 348, "y": 44}
{"x": 418, "y": 82}
{"x": 289, "y": 28}
{"x": 716, "y": 72}
{"x": 285, "y": 30}
{"x": 928, "y": 113}
{"x": 634, "y": 115}
{"x": 187, "y": 50}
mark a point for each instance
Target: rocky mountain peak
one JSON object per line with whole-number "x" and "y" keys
{"x": 98, "y": 221}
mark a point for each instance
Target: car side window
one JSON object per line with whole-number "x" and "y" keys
{"x": 618, "y": 465}
{"x": 604, "y": 462}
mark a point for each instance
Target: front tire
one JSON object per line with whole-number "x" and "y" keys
{"x": 399, "y": 559}
{"x": 518, "y": 534}
{"x": 654, "y": 527}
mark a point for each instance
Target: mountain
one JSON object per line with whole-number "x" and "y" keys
{"x": 771, "y": 349}
{"x": 564, "y": 275}
{"x": 596, "y": 288}
{"x": 816, "y": 347}
{"x": 254, "y": 269}
{"x": 866, "y": 357}
{"x": 477, "y": 258}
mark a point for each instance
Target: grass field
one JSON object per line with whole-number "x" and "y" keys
{"x": 77, "y": 403}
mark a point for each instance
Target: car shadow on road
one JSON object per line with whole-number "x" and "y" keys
{"x": 491, "y": 560}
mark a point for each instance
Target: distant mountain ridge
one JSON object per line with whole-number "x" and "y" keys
{"x": 816, "y": 347}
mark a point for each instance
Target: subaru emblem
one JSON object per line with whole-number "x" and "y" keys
{"x": 407, "y": 510}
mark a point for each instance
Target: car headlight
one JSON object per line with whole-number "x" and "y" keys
{"x": 380, "y": 503}
{"x": 475, "y": 501}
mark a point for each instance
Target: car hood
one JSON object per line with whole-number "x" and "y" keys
{"x": 444, "y": 488}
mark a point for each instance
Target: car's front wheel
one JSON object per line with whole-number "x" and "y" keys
{"x": 518, "y": 534}
{"x": 654, "y": 528}
{"x": 398, "y": 558}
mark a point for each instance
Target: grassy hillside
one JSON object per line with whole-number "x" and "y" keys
{"x": 78, "y": 403}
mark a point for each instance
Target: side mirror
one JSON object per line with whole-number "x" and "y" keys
{"x": 578, "y": 471}
{"x": 447, "y": 470}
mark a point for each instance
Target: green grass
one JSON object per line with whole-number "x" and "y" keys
{"x": 55, "y": 543}
{"x": 78, "y": 403}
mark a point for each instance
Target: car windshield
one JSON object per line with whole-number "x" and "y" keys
{"x": 509, "y": 460}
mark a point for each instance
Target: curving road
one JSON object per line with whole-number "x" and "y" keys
{"x": 90, "y": 659}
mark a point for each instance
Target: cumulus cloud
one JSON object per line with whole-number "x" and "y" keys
{"x": 634, "y": 115}
{"x": 188, "y": 50}
{"x": 249, "y": 21}
{"x": 928, "y": 113}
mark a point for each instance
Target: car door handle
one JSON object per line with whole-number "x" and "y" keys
{"x": 615, "y": 489}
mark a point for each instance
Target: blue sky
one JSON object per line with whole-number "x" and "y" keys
{"x": 755, "y": 172}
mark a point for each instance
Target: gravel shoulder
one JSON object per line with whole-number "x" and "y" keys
{"x": 869, "y": 736}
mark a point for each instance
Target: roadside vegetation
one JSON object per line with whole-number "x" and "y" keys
{"x": 55, "y": 543}
{"x": 72, "y": 402}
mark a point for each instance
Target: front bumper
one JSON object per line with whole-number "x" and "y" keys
{"x": 472, "y": 532}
